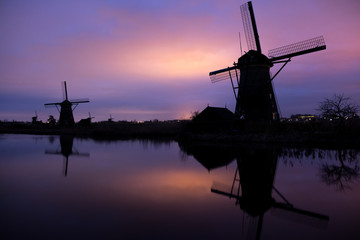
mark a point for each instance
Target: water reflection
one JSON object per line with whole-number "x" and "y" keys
{"x": 66, "y": 149}
{"x": 339, "y": 173}
{"x": 253, "y": 184}
{"x": 146, "y": 190}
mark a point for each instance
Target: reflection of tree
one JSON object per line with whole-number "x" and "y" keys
{"x": 339, "y": 175}
{"x": 332, "y": 174}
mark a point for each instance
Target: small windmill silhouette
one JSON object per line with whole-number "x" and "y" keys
{"x": 250, "y": 75}
{"x": 66, "y": 109}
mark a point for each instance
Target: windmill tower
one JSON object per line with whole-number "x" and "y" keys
{"x": 66, "y": 109}
{"x": 250, "y": 75}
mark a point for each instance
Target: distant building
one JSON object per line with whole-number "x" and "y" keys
{"x": 215, "y": 114}
{"x": 303, "y": 117}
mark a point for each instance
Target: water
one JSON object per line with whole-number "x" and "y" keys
{"x": 54, "y": 188}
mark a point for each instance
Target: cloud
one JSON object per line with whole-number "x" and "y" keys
{"x": 154, "y": 56}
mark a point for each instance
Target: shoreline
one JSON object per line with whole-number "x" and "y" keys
{"x": 186, "y": 132}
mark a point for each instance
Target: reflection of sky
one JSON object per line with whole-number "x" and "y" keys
{"x": 150, "y": 59}
{"x": 149, "y": 189}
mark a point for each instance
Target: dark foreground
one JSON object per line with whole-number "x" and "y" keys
{"x": 314, "y": 134}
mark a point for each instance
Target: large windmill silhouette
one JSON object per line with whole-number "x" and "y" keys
{"x": 250, "y": 75}
{"x": 66, "y": 109}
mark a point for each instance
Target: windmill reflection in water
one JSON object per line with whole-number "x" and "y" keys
{"x": 253, "y": 184}
{"x": 66, "y": 149}
{"x": 253, "y": 189}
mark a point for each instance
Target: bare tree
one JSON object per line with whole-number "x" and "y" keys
{"x": 338, "y": 107}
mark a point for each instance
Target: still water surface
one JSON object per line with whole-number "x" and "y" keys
{"x": 64, "y": 188}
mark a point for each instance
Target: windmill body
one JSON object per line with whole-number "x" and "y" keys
{"x": 66, "y": 109}
{"x": 255, "y": 98}
{"x": 250, "y": 76}
{"x": 66, "y": 114}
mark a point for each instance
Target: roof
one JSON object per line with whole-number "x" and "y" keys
{"x": 215, "y": 114}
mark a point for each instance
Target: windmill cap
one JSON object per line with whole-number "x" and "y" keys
{"x": 254, "y": 57}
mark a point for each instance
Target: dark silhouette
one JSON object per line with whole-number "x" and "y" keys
{"x": 338, "y": 108}
{"x": 86, "y": 122}
{"x": 66, "y": 118}
{"x": 66, "y": 149}
{"x": 250, "y": 76}
{"x": 214, "y": 114}
{"x": 110, "y": 119}
{"x": 51, "y": 120}
{"x": 34, "y": 120}
{"x": 340, "y": 175}
{"x": 343, "y": 173}
{"x": 210, "y": 157}
{"x": 253, "y": 183}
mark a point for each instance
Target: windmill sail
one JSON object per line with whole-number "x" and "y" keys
{"x": 296, "y": 49}
{"x": 224, "y": 74}
{"x": 253, "y": 90}
{"x": 250, "y": 29}
{"x": 84, "y": 100}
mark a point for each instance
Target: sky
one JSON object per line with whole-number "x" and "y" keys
{"x": 145, "y": 60}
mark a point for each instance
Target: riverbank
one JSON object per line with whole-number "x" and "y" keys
{"x": 316, "y": 134}
{"x": 101, "y": 130}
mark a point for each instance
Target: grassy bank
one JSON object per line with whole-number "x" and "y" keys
{"x": 102, "y": 130}
{"x": 316, "y": 134}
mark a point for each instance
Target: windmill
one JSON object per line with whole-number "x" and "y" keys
{"x": 34, "y": 119}
{"x": 253, "y": 189}
{"x": 66, "y": 109}
{"x": 110, "y": 119}
{"x": 250, "y": 75}
{"x": 86, "y": 121}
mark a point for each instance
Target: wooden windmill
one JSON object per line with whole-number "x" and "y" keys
{"x": 66, "y": 109}
{"x": 250, "y": 75}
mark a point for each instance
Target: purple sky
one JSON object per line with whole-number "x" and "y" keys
{"x": 144, "y": 60}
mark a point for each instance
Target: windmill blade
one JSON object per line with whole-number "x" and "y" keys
{"x": 80, "y": 154}
{"x": 250, "y": 29}
{"x": 290, "y": 208}
{"x": 49, "y": 104}
{"x": 299, "y": 48}
{"x": 223, "y": 189}
{"x": 52, "y": 152}
{"x": 84, "y": 100}
{"x": 224, "y": 74}
{"x": 287, "y": 212}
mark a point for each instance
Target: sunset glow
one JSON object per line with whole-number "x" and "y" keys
{"x": 136, "y": 59}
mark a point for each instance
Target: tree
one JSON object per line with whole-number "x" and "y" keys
{"x": 51, "y": 121}
{"x": 338, "y": 108}
{"x": 194, "y": 114}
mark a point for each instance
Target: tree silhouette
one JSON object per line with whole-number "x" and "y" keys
{"x": 337, "y": 108}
